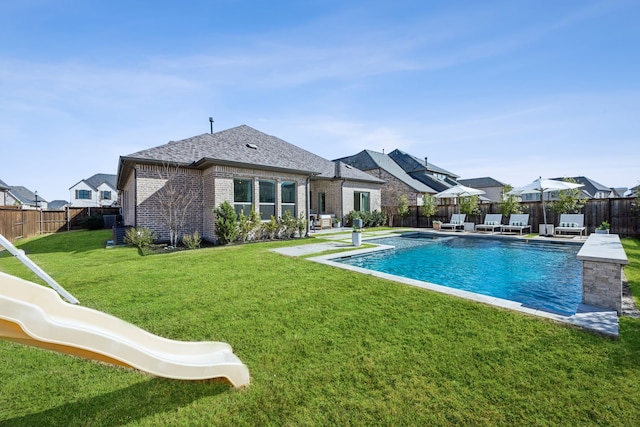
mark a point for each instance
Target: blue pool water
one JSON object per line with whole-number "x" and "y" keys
{"x": 542, "y": 276}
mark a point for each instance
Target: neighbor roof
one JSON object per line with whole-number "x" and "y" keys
{"x": 591, "y": 187}
{"x": 97, "y": 180}
{"x": 3, "y": 185}
{"x": 57, "y": 205}
{"x": 24, "y": 195}
{"x": 413, "y": 164}
{"x": 369, "y": 160}
{"x": 483, "y": 182}
{"x": 241, "y": 146}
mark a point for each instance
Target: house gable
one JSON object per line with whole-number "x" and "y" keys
{"x": 97, "y": 190}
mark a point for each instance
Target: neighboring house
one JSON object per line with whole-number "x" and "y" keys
{"x": 57, "y": 205}
{"x": 96, "y": 191}
{"x": 590, "y": 190}
{"x": 18, "y": 195}
{"x": 404, "y": 173}
{"x": 593, "y": 189}
{"x": 618, "y": 191}
{"x": 492, "y": 187}
{"x": 433, "y": 176}
{"x": 4, "y": 190}
{"x": 244, "y": 167}
{"x": 397, "y": 181}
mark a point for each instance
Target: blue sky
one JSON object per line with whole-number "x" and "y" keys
{"x": 507, "y": 89}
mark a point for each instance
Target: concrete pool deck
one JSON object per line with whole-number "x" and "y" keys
{"x": 596, "y": 319}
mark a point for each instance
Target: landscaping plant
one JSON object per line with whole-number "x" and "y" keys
{"x": 226, "y": 225}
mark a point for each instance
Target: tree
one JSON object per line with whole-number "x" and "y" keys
{"x": 429, "y": 207}
{"x": 469, "y": 205}
{"x": 226, "y": 225}
{"x": 569, "y": 201}
{"x": 403, "y": 208}
{"x": 175, "y": 198}
{"x": 510, "y": 203}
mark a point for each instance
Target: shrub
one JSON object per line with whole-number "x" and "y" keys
{"x": 569, "y": 201}
{"x": 226, "y": 226}
{"x": 302, "y": 225}
{"x": 92, "y": 222}
{"x": 403, "y": 208}
{"x": 369, "y": 219}
{"x": 510, "y": 203}
{"x": 192, "y": 241}
{"x": 288, "y": 225}
{"x": 139, "y": 237}
{"x": 270, "y": 229}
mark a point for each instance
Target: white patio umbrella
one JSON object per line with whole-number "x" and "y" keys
{"x": 544, "y": 186}
{"x": 458, "y": 190}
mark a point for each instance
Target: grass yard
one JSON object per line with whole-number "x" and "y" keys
{"x": 324, "y": 346}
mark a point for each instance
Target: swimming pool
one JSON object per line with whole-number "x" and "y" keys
{"x": 539, "y": 275}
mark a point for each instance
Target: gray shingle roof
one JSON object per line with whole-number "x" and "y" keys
{"x": 97, "y": 180}
{"x": 368, "y": 160}
{"x": 591, "y": 187}
{"x": 245, "y": 146}
{"x": 24, "y": 195}
{"x": 57, "y": 205}
{"x": 100, "y": 178}
{"x": 483, "y": 182}
{"x": 3, "y": 185}
{"x": 413, "y": 164}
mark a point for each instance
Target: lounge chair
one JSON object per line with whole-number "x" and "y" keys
{"x": 457, "y": 220}
{"x": 571, "y": 223}
{"x": 517, "y": 222}
{"x": 492, "y": 222}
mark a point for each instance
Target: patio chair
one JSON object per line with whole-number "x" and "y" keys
{"x": 457, "y": 220}
{"x": 492, "y": 222}
{"x": 517, "y": 222}
{"x": 571, "y": 223}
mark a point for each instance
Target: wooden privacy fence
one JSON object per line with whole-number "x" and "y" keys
{"x": 621, "y": 213}
{"x": 20, "y": 223}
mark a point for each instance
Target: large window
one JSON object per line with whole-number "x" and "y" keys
{"x": 267, "y": 200}
{"x": 361, "y": 201}
{"x": 242, "y": 195}
{"x": 83, "y": 194}
{"x": 106, "y": 195}
{"x": 288, "y": 198}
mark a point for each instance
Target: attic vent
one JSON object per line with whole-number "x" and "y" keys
{"x": 252, "y": 146}
{"x": 348, "y": 166}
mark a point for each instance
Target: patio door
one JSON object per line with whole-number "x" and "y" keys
{"x": 321, "y": 203}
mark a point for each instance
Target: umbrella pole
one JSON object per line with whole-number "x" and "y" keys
{"x": 544, "y": 214}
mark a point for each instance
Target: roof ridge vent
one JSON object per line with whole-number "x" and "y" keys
{"x": 252, "y": 146}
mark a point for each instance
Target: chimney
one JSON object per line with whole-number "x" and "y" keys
{"x": 337, "y": 169}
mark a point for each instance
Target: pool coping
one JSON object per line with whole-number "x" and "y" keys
{"x": 601, "y": 320}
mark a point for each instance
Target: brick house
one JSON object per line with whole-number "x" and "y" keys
{"x": 96, "y": 191}
{"x": 397, "y": 181}
{"x": 246, "y": 168}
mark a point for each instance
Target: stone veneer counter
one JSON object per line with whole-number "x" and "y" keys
{"x": 603, "y": 258}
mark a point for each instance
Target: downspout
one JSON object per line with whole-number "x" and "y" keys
{"x": 135, "y": 197}
{"x": 307, "y": 184}
{"x": 342, "y": 214}
{"x": 338, "y": 174}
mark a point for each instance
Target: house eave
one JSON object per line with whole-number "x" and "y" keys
{"x": 207, "y": 162}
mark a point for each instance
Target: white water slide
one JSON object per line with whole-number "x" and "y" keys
{"x": 34, "y": 315}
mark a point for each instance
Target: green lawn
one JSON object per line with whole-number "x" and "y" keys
{"x": 324, "y": 346}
